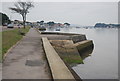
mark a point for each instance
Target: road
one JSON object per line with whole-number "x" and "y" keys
{"x": 6, "y": 29}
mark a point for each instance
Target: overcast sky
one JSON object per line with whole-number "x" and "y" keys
{"x": 82, "y": 13}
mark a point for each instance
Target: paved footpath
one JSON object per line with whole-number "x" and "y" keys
{"x": 26, "y": 60}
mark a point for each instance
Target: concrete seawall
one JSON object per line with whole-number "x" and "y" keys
{"x": 72, "y": 36}
{"x": 84, "y": 45}
{"x": 78, "y": 38}
{"x": 58, "y": 68}
{"x": 58, "y": 33}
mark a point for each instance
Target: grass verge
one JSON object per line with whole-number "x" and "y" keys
{"x": 10, "y": 38}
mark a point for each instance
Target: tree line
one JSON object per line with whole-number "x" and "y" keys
{"x": 51, "y": 23}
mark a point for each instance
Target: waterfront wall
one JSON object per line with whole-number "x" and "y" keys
{"x": 58, "y": 68}
{"x": 80, "y": 42}
{"x": 78, "y": 38}
{"x": 84, "y": 45}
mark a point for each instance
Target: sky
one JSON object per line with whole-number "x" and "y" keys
{"x": 80, "y": 13}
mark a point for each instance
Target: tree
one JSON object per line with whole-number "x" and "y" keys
{"x": 41, "y": 22}
{"x": 51, "y": 23}
{"x": 67, "y": 24}
{"x": 4, "y": 19}
{"x": 22, "y": 8}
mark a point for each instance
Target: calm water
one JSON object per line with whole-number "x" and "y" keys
{"x": 103, "y": 62}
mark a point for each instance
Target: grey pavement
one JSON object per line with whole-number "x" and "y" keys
{"x": 27, "y": 60}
